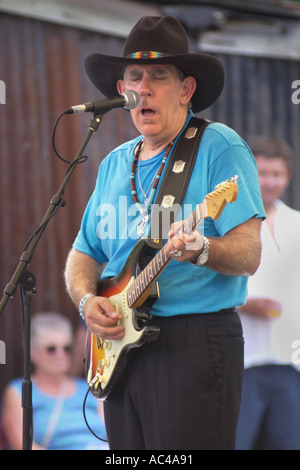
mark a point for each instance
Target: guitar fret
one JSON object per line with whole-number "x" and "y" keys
{"x": 150, "y": 271}
{"x": 189, "y": 224}
{"x": 199, "y": 210}
{"x": 153, "y": 268}
{"x": 146, "y": 278}
{"x": 138, "y": 286}
{"x": 146, "y": 274}
{"x": 133, "y": 295}
{"x": 160, "y": 259}
{"x": 129, "y": 295}
{"x": 142, "y": 281}
{"x": 156, "y": 265}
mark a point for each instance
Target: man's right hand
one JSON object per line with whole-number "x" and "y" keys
{"x": 101, "y": 318}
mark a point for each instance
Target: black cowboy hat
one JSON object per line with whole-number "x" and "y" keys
{"x": 159, "y": 40}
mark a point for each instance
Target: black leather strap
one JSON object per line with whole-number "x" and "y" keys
{"x": 175, "y": 182}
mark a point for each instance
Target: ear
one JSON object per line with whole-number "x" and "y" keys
{"x": 188, "y": 89}
{"x": 120, "y": 86}
{"x": 289, "y": 177}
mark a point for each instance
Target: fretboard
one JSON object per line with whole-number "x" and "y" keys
{"x": 161, "y": 259}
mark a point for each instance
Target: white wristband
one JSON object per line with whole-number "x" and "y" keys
{"x": 82, "y": 303}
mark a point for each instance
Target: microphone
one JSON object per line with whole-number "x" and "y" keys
{"x": 127, "y": 100}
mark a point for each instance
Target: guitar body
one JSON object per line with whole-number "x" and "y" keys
{"x": 106, "y": 359}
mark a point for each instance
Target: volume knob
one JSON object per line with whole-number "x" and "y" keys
{"x": 107, "y": 344}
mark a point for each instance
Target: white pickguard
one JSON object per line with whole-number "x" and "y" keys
{"x": 112, "y": 349}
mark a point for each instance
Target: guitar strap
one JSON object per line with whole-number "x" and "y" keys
{"x": 175, "y": 181}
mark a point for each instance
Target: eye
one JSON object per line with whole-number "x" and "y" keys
{"x": 134, "y": 79}
{"x": 158, "y": 75}
{"x": 134, "y": 76}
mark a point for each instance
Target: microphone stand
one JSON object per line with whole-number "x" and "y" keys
{"x": 26, "y": 280}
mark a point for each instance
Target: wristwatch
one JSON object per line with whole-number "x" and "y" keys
{"x": 202, "y": 259}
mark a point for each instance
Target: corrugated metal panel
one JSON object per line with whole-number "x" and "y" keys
{"x": 257, "y": 100}
{"x": 42, "y": 67}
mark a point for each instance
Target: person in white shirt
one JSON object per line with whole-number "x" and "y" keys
{"x": 270, "y": 410}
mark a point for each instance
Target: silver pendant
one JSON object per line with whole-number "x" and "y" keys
{"x": 142, "y": 225}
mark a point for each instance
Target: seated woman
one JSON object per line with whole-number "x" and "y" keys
{"x": 57, "y": 398}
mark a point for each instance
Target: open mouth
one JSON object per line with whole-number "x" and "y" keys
{"x": 148, "y": 112}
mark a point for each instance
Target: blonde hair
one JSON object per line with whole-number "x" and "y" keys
{"x": 49, "y": 321}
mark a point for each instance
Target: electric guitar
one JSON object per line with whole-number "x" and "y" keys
{"x": 133, "y": 292}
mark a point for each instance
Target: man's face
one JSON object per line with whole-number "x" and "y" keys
{"x": 163, "y": 101}
{"x": 274, "y": 178}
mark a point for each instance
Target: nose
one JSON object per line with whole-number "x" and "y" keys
{"x": 269, "y": 181}
{"x": 145, "y": 88}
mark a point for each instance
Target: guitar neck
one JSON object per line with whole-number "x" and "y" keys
{"x": 160, "y": 261}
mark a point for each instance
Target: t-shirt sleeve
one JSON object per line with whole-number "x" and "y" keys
{"x": 87, "y": 240}
{"x": 234, "y": 158}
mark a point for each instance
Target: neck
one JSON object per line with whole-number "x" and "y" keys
{"x": 270, "y": 208}
{"x": 153, "y": 146}
{"x": 150, "y": 149}
{"x": 50, "y": 382}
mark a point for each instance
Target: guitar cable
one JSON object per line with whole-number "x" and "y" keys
{"x": 86, "y": 421}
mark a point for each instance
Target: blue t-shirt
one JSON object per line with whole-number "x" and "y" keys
{"x": 108, "y": 231}
{"x": 71, "y": 431}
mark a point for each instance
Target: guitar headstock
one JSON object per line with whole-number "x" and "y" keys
{"x": 225, "y": 192}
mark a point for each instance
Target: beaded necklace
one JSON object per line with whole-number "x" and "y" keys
{"x": 144, "y": 208}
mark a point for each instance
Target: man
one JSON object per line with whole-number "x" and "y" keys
{"x": 181, "y": 391}
{"x": 270, "y": 409}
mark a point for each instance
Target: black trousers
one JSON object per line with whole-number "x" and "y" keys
{"x": 183, "y": 391}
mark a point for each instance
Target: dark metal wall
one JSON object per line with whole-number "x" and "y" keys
{"x": 42, "y": 67}
{"x": 257, "y": 100}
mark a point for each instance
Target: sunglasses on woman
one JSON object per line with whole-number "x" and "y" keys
{"x": 52, "y": 349}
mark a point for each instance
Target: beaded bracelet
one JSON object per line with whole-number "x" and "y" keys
{"x": 82, "y": 303}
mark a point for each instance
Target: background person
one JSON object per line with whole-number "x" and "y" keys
{"x": 270, "y": 410}
{"x": 57, "y": 398}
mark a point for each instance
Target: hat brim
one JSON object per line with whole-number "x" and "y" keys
{"x": 104, "y": 72}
